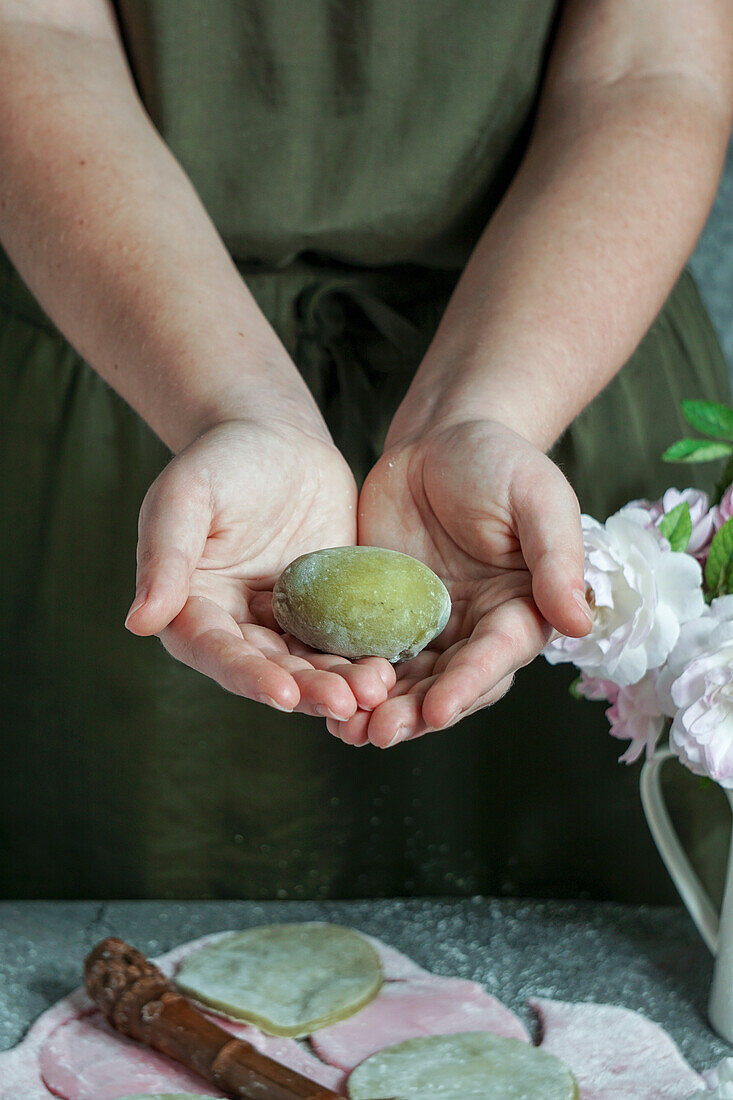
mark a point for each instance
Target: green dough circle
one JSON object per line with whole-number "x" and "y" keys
{"x": 457, "y": 1067}
{"x": 288, "y": 979}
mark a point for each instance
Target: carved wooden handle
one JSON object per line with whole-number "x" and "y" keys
{"x": 139, "y": 1001}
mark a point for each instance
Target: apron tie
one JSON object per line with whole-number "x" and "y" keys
{"x": 358, "y": 355}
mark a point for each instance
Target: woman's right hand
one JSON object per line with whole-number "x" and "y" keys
{"x": 217, "y": 527}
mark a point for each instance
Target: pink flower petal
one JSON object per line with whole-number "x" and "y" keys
{"x": 87, "y": 1060}
{"x": 407, "y": 1010}
{"x": 614, "y": 1053}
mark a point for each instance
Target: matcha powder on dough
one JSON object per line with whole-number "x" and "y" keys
{"x": 288, "y": 979}
{"x": 457, "y": 1067}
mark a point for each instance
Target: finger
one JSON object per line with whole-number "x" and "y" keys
{"x": 384, "y": 669}
{"x": 365, "y": 682}
{"x": 353, "y": 732}
{"x": 260, "y": 605}
{"x": 417, "y": 667}
{"x": 355, "y": 729}
{"x": 405, "y": 720}
{"x": 368, "y": 679}
{"x": 486, "y": 700}
{"x": 269, "y": 642}
{"x": 173, "y": 528}
{"x": 206, "y": 638}
{"x": 447, "y": 655}
{"x": 324, "y": 694}
{"x": 400, "y": 718}
{"x": 547, "y": 515}
{"x": 504, "y": 640}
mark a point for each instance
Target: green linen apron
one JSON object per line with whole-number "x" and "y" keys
{"x": 350, "y": 153}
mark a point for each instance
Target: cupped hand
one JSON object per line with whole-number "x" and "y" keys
{"x": 217, "y": 528}
{"x": 498, "y": 522}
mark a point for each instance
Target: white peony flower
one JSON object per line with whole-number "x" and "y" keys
{"x": 723, "y": 511}
{"x": 635, "y": 716}
{"x": 596, "y": 690}
{"x": 696, "y": 689}
{"x": 702, "y": 516}
{"x": 640, "y": 592}
{"x": 693, "y": 642}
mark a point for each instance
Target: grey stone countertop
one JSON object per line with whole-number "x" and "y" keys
{"x": 647, "y": 959}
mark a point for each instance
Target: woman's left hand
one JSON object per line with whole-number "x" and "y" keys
{"x": 498, "y": 522}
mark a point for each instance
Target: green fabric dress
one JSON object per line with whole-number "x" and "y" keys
{"x": 350, "y": 152}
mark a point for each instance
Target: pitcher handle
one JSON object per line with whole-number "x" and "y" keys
{"x": 681, "y": 871}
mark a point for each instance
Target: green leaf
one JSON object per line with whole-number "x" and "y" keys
{"x": 676, "y": 526}
{"x": 709, "y": 418}
{"x": 719, "y": 566}
{"x": 696, "y": 450}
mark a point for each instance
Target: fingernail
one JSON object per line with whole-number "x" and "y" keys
{"x": 270, "y": 702}
{"x": 402, "y": 732}
{"x": 326, "y": 712}
{"x": 580, "y": 598}
{"x": 453, "y": 718}
{"x": 141, "y": 596}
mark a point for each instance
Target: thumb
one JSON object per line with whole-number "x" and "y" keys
{"x": 547, "y": 515}
{"x": 174, "y": 524}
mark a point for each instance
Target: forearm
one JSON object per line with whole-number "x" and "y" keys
{"x": 580, "y": 256}
{"x": 107, "y": 231}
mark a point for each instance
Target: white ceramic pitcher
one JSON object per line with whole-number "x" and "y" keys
{"x": 716, "y": 930}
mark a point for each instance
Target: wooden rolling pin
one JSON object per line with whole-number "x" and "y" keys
{"x": 139, "y": 1001}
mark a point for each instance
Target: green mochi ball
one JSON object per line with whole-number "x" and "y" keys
{"x": 361, "y": 601}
